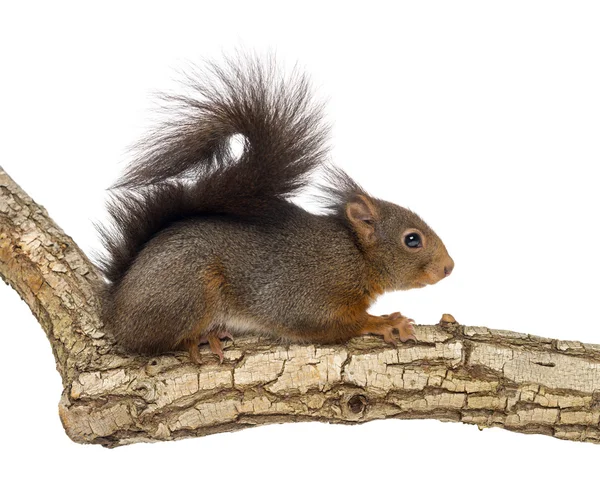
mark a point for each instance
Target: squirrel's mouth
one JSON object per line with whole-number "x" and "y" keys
{"x": 413, "y": 285}
{"x": 428, "y": 278}
{"x": 434, "y": 271}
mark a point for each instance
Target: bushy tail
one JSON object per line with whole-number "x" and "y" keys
{"x": 186, "y": 167}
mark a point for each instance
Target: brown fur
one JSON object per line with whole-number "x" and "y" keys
{"x": 213, "y": 284}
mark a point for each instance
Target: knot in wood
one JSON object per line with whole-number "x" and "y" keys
{"x": 357, "y": 403}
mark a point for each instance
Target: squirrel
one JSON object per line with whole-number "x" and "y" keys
{"x": 206, "y": 243}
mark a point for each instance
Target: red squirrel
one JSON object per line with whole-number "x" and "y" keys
{"x": 206, "y": 244}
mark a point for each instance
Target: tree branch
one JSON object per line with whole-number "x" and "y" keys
{"x": 453, "y": 373}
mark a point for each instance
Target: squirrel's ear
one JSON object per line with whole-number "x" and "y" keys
{"x": 362, "y": 214}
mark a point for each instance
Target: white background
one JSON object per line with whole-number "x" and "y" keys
{"x": 483, "y": 117}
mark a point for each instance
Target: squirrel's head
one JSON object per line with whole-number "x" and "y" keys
{"x": 398, "y": 244}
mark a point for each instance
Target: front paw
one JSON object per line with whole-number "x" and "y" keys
{"x": 389, "y": 325}
{"x": 404, "y": 326}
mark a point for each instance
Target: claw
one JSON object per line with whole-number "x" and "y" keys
{"x": 214, "y": 342}
{"x": 194, "y": 353}
{"x": 388, "y": 336}
{"x": 215, "y": 346}
{"x": 406, "y": 330}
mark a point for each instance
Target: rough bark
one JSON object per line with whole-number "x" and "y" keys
{"x": 453, "y": 373}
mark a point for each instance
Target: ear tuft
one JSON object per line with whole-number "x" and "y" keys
{"x": 362, "y": 214}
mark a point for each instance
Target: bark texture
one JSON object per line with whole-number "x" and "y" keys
{"x": 453, "y": 373}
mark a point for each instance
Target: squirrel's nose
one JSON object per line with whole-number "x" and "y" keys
{"x": 449, "y": 267}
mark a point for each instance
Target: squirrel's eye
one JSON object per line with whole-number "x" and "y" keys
{"x": 413, "y": 240}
